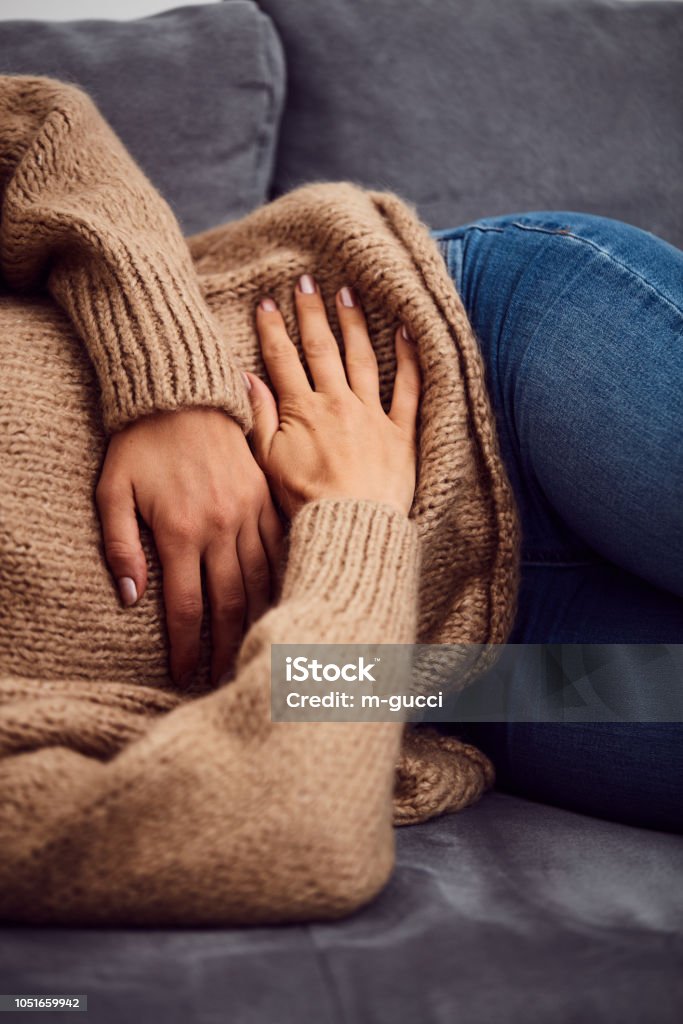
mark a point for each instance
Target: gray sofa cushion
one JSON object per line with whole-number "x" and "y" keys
{"x": 506, "y": 913}
{"x": 195, "y": 93}
{"x": 475, "y": 109}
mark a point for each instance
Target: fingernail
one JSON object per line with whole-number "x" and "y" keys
{"x": 347, "y": 297}
{"x": 128, "y": 590}
{"x": 307, "y": 284}
{"x": 268, "y": 305}
{"x": 404, "y": 333}
{"x": 246, "y": 380}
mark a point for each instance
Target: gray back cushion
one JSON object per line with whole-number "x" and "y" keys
{"x": 474, "y": 109}
{"x": 195, "y": 93}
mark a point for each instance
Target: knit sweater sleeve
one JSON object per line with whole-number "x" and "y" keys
{"x": 213, "y": 814}
{"x": 80, "y": 219}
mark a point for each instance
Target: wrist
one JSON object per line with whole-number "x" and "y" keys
{"x": 361, "y": 558}
{"x": 384, "y": 501}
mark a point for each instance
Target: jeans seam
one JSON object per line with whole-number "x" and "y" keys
{"x": 453, "y": 233}
{"x": 565, "y": 233}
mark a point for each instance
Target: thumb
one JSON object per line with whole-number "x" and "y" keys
{"x": 122, "y": 547}
{"x": 266, "y": 419}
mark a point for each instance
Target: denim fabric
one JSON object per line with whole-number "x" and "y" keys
{"x": 580, "y": 323}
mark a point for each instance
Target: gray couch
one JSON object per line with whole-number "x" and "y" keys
{"x": 512, "y": 911}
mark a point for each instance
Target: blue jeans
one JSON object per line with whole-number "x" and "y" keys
{"x": 580, "y": 324}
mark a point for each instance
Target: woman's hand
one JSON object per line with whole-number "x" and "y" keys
{"x": 193, "y": 479}
{"x": 335, "y": 441}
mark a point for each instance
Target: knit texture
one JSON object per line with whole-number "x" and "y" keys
{"x": 121, "y": 799}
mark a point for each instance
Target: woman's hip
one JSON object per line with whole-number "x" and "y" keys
{"x": 580, "y": 324}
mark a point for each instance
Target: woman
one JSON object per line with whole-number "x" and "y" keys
{"x": 580, "y": 322}
{"x": 123, "y": 799}
{"x": 170, "y": 827}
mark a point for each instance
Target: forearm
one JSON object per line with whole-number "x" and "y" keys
{"x": 215, "y": 814}
{"x": 80, "y": 218}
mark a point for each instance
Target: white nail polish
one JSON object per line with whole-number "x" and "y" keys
{"x": 346, "y": 296}
{"x": 128, "y": 590}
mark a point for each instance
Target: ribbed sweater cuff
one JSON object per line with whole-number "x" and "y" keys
{"x": 359, "y": 559}
{"x": 153, "y": 343}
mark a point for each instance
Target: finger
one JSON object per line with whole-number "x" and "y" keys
{"x": 319, "y": 343}
{"x": 361, "y": 363}
{"x": 183, "y": 601}
{"x": 227, "y": 599}
{"x": 121, "y": 536}
{"x": 406, "y": 396}
{"x": 255, "y": 571}
{"x": 266, "y": 420}
{"x": 279, "y": 352}
{"x": 272, "y": 538}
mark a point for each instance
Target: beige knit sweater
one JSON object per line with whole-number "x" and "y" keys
{"x": 122, "y": 800}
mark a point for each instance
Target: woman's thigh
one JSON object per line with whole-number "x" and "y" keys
{"x": 580, "y": 324}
